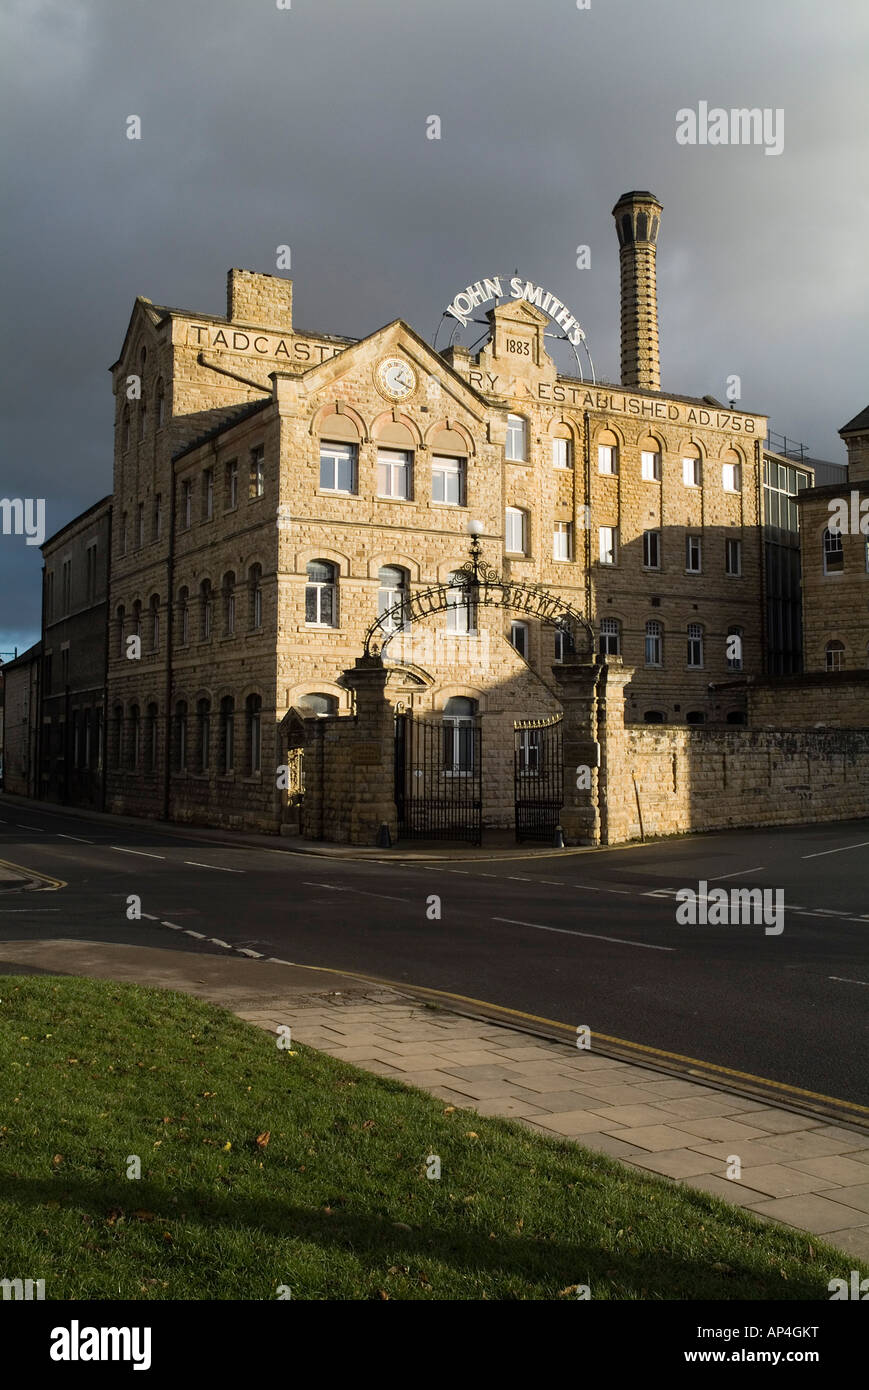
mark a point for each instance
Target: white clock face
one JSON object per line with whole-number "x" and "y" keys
{"x": 396, "y": 378}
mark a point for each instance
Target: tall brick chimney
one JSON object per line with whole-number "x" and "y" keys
{"x": 638, "y": 216}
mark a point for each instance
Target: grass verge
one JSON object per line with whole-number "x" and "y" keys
{"x": 263, "y": 1168}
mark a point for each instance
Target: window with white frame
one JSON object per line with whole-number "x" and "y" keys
{"x": 654, "y": 653}
{"x": 393, "y": 589}
{"x": 394, "y": 474}
{"x": 691, "y": 474}
{"x": 693, "y": 554}
{"x": 458, "y": 735}
{"x": 516, "y": 447}
{"x": 610, "y": 637}
{"x": 733, "y": 557}
{"x": 561, "y": 453}
{"x": 695, "y": 645}
{"x": 519, "y": 638}
{"x": 608, "y": 544}
{"x": 834, "y": 554}
{"x": 461, "y": 613}
{"x": 731, "y": 477}
{"x": 834, "y": 653}
{"x": 606, "y": 458}
{"x": 448, "y": 481}
{"x": 529, "y": 750}
{"x": 652, "y": 550}
{"x": 562, "y": 541}
{"x": 321, "y": 594}
{"x": 650, "y": 466}
{"x": 338, "y": 467}
{"x": 516, "y": 531}
{"x": 257, "y": 486}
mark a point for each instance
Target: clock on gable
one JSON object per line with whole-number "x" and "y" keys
{"x": 395, "y": 378}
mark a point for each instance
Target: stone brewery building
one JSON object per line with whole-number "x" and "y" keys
{"x": 300, "y": 638}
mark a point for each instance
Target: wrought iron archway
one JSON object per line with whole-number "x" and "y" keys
{"x": 482, "y": 586}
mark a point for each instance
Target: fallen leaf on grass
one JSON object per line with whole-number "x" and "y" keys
{"x": 263, "y": 1139}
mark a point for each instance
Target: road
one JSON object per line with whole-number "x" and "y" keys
{"x": 584, "y": 939}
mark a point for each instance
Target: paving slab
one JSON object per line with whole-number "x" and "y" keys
{"x": 813, "y": 1212}
{"x": 777, "y": 1180}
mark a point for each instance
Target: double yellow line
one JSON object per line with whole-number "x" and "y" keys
{"x": 50, "y": 885}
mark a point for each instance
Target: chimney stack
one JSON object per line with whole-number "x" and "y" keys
{"x": 638, "y": 217}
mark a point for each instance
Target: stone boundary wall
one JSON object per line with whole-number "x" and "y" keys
{"x": 706, "y": 779}
{"x": 823, "y": 700}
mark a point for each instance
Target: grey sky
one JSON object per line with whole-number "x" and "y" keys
{"x": 307, "y": 126}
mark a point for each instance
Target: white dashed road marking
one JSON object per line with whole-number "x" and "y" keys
{"x": 142, "y": 854}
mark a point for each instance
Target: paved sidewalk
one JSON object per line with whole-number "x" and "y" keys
{"x": 796, "y": 1169}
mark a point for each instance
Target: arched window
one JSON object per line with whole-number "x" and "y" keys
{"x": 154, "y": 621}
{"x": 610, "y": 637}
{"x": 206, "y": 604}
{"x": 835, "y": 656}
{"x": 181, "y": 736}
{"x": 203, "y": 722}
{"x": 654, "y": 716}
{"x": 459, "y": 724}
{"x": 516, "y": 531}
{"x": 122, "y": 629}
{"x": 651, "y": 467}
{"x": 834, "y": 555}
{"x": 151, "y": 738}
{"x": 255, "y": 596}
{"x": 692, "y": 469}
{"x": 253, "y": 712}
{"x": 160, "y": 400}
{"x": 321, "y": 594}
{"x": 733, "y": 649}
{"x": 695, "y": 645}
{"x": 695, "y": 716}
{"x": 516, "y": 447}
{"x": 137, "y": 618}
{"x": 135, "y": 734}
{"x": 731, "y": 472}
{"x": 654, "y": 643}
{"x": 143, "y": 414}
{"x": 607, "y": 452}
{"x": 735, "y": 716}
{"x": 229, "y": 604}
{"x": 320, "y": 704}
{"x": 183, "y": 616}
{"x": 562, "y": 448}
{"x": 393, "y": 589}
{"x": 124, "y": 533}
{"x": 461, "y": 613}
{"x": 227, "y": 734}
{"x": 125, "y": 428}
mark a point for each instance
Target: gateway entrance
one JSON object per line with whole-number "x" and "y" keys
{"x": 538, "y": 777}
{"x": 439, "y": 776}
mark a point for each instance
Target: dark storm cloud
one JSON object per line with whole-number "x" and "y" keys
{"x": 307, "y": 127}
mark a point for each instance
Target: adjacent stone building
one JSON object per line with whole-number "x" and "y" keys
{"x": 834, "y": 525}
{"x": 74, "y": 635}
{"x": 21, "y": 722}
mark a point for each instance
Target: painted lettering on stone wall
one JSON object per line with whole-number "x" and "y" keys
{"x": 260, "y": 344}
{"x": 615, "y": 402}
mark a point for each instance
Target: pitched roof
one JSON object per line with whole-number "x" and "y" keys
{"x": 860, "y": 422}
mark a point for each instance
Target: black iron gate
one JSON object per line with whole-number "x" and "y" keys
{"x": 538, "y": 777}
{"x": 439, "y": 779}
